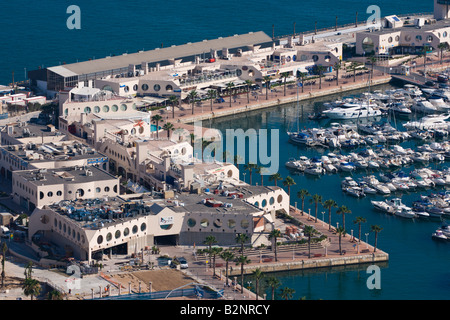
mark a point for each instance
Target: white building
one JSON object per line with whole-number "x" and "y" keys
{"x": 37, "y": 188}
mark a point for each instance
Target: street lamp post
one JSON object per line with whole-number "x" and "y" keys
{"x": 323, "y": 218}
{"x": 367, "y": 240}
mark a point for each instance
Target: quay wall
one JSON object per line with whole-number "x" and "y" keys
{"x": 283, "y": 100}
{"x": 314, "y": 263}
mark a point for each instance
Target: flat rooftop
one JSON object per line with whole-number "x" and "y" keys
{"x": 68, "y": 175}
{"x": 438, "y": 24}
{"x": 161, "y": 54}
{"x": 211, "y": 203}
{"x": 54, "y": 151}
{"x": 27, "y": 129}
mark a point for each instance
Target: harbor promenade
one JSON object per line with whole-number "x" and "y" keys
{"x": 259, "y": 99}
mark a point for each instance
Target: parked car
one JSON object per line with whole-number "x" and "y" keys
{"x": 182, "y": 261}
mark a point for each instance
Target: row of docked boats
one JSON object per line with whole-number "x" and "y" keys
{"x": 345, "y": 136}
{"x": 406, "y": 101}
{"x": 388, "y": 183}
{"x": 376, "y": 158}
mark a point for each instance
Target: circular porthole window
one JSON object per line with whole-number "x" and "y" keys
{"x": 217, "y": 223}
{"x": 135, "y": 229}
{"x": 87, "y": 110}
{"x": 109, "y": 236}
{"x": 191, "y": 223}
{"x": 231, "y": 223}
{"x": 144, "y": 87}
{"x": 114, "y": 108}
{"x": 105, "y": 108}
{"x": 156, "y": 87}
{"x": 117, "y": 234}
{"x": 143, "y": 227}
{"x": 96, "y": 109}
{"x": 123, "y": 107}
{"x": 100, "y": 239}
{"x": 204, "y": 223}
{"x": 126, "y": 232}
{"x": 245, "y": 224}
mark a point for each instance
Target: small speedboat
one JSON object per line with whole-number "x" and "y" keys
{"x": 355, "y": 192}
{"x": 439, "y": 235}
{"x": 347, "y": 166}
{"x": 383, "y": 206}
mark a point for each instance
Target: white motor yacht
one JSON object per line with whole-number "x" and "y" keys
{"x": 382, "y": 206}
{"x": 353, "y": 111}
{"x": 422, "y": 105}
{"x": 439, "y": 103}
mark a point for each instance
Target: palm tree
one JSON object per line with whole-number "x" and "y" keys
{"x": 54, "y": 295}
{"x": 192, "y": 95}
{"x": 343, "y": 210}
{"x": 193, "y": 137}
{"x": 28, "y": 270}
{"x": 241, "y": 239}
{"x": 210, "y": 241}
{"x": 302, "y": 76}
{"x": 4, "y": 249}
{"x": 426, "y": 48}
{"x": 341, "y": 232}
{"x": 328, "y": 204}
{"x": 353, "y": 67}
{"x": 273, "y": 283}
{"x": 309, "y": 231}
{"x": 302, "y": 194}
{"x": 249, "y": 167}
{"x": 214, "y": 252}
{"x": 287, "y": 293}
{"x": 249, "y": 84}
{"x": 275, "y": 177}
{"x": 442, "y": 46}
{"x": 284, "y": 76}
{"x": 337, "y": 67}
{"x": 316, "y": 199}
{"x": 31, "y": 287}
{"x": 227, "y": 256}
{"x": 212, "y": 94}
{"x": 372, "y": 60}
{"x": 321, "y": 70}
{"x": 157, "y": 118}
{"x": 267, "y": 81}
{"x": 377, "y": 229}
{"x": 359, "y": 220}
{"x": 173, "y": 100}
{"x": 288, "y": 182}
{"x": 261, "y": 171}
{"x": 237, "y": 159}
{"x": 168, "y": 127}
{"x": 274, "y": 234}
{"x": 230, "y": 86}
{"x": 242, "y": 260}
{"x": 258, "y": 274}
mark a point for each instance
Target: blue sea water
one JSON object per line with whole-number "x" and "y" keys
{"x": 35, "y": 34}
{"x": 418, "y": 265}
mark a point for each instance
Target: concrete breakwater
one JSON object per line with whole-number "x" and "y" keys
{"x": 368, "y": 258}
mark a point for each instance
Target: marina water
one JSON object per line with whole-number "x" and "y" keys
{"x": 35, "y": 34}
{"x": 418, "y": 265}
